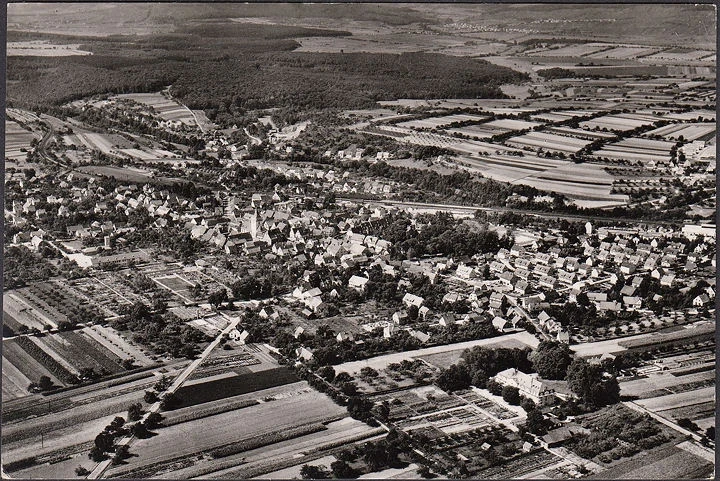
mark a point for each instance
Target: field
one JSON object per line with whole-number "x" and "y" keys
{"x": 619, "y": 122}
{"x": 40, "y": 48}
{"x": 548, "y": 142}
{"x": 670, "y": 462}
{"x": 17, "y": 138}
{"x": 683, "y": 399}
{"x": 623, "y": 52}
{"x": 579, "y": 133}
{"x": 304, "y": 409}
{"x": 215, "y": 389}
{"x": 689, "y": 132}
{"x": 437, "y": 122}
{"x": 167, "y": 109}
{"x": 105, "y": 143}
{"x": 637, "y": 149}
{"x": 446, "y": 359}
{"x": 692, "y": 115}
{"x": 119, "y": 173}
{"x": 662, "y": 382}
{"x": 575, "y": 50}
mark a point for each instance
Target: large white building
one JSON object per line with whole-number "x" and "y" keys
{"x": 528, "y": 384}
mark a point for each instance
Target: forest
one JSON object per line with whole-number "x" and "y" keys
{"x": 228, "y": 68}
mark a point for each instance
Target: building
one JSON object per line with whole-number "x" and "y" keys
{"x": 529, "y": 385}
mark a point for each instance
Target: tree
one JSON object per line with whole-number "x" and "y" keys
{"x": 710, "y": 433}
{"x": 511, "y": 395}
{"x": 551, "y": 359}
{"x": 128, "y": 364}
{"x": 536, "y": 422}
{"x": 218, "y": 297}
{"x": 153, "y": 420}
{"x": 314, "y": 472}
{"x": 454, "y": 378}
{"x": 342, "y": 470}
{"x": 150, "y": 397}
{"x": 591, "y": 384}
{"x": 104, "y": 442}
{"x": 327, "y": 373}
{"x": 139, "y": 430}
{"x": 135, "y": 411}
{"x": 45, "y": 383}
{"x": 169, "y": 401}
{"x": 81, "y": 471}
{"x": 96, "y": 454}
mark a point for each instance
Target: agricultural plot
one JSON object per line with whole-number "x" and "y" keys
{"x": 682, "y": 55}
{"x": 112, "y": 341}
{"x": 19, "y": 311}
{"x": 543, "y": 141}
{"x": 575, "y": 50}
{"x": 683, "y": 399}
{"x": 692, "y": 115}
{"x": 152, "y": 154}
{"x": 688, "y": 132}
{"x": 299, "y": 413}
{"x": 42, "y": 48}
{"x": 14, "y": 382}
{"x": 561, "y": 115}
{"x": 21, "y": 115}
{"x": 671, "y": 462}
{"x": 437, "y": 122}
{"x": 662, "y": 383}
{"x": 167, "y": 109}
{"x": 17, "y": 140}
{"x": 619, "y": 122}
{"x": 105, "y": 143}
{"x": 624, "y": 52}
{"x": 579, "y": 133}
{"x": 27, "y": 364}
{"x": 637, "y": 149}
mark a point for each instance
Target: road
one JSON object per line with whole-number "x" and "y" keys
{"x": 101, "y": 467}
{"x": 469, "y": 210}
{"x": 666, "y": 422}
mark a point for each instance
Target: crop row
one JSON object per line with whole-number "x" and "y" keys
{"x": 195, "y": 414}
{"x": 79, "y": 344}
{"x": 265, "y": 439}
{"x": 46, "y": 360}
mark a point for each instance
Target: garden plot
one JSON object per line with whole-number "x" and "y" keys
{"x": 116, "y": 344}
{"x": 436, "y": 122}
{"x": 683, "y": 399}
{"x": 17, "y": 139}
{"x": 688, "y": 132}
{"x": 21, "y": 312}
{"x": 177, "y": 284}
{"x": 548, "y": 142}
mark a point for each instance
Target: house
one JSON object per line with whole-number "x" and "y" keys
{"x": 412, "y": 300}
{"x": 701, "y": 301}
{"x": 529, "y": 385}
{"x": 298, "y": 332}
{"x": 420, "y": 336}
{"x": 239, "y": 337}
{"x": 345, "y": 336}
{"x": 358, "y": 283}
{"x": 499, "y": 323}
{"x": 303, "y": 353}
{"x": 268, "y": 312}
{"x": 400, "y": 318}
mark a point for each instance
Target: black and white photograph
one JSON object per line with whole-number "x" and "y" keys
{"x": 359, "y": 241}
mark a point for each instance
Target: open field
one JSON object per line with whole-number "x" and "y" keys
{"x": 17, "y": 138}
{"x": 105, "y": 143}
{"x": 381, "y": 362}
{"x": 436, "y": 122}
{"x": 619, "y": 122}
{"x": 689, "y": 132}
{"x": 662, "y": 381}
{"x": 192, "y": 437}
{"x": 637, "y": 149}
{"x": 41, "y": 48}
{"x": 682, "y": 399}
{"x": 548, "y": 142}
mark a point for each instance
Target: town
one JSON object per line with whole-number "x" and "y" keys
{"x": 516, "y": 285}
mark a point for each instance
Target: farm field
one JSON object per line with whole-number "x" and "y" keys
{"x": 381, "y": 362}
{"x": 548, "y": 142}
{"x": 662, "y": 381}
{"x": 437, "y": 122}
{"x": 41, "y": 48}
{"x": 14, "y": 382}
{"x": 623, "y": 52}
{"x": 165, "y": 108}
{"x": 670, "y": 462}
{"x": 17, "y": 138}
{"x": 681, "y": 54}
{"x": 619, "y": 122}
{"x": 119, "y": 173}
{"x": 26, "y": 364}
{"x": 692, "y": 115}
{"x": 689, "y": 132}
{"x": 576, "y": 50}
{"x": 637, "y": 149}
{"x": 671, "y": 401}
{"x": 105, "y": 143}
{"x": 192, "y": 437}
{"x": 579, "y": 133}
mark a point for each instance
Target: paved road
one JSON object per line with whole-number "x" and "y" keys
{"x": 101, "y": 467}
